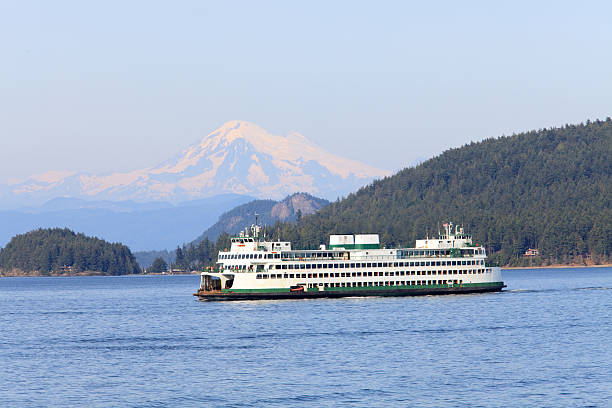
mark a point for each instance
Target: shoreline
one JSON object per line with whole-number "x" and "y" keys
{"x": 556, "y": 266}
{"x": 507, "y": 268}
{"x": 81, "y": 274}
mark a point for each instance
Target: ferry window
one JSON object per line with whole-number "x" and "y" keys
{"x": 285, "y": 276}
{"x": 352, "y": 265}
{"x": 308, "y": 266}
{"x": 292, "y": 275}
{"x": 342, "y": 275}
{"x": 264, "y": 276}
{"x": 320, "y": 266}
{"x": 391, "y": 274}
{"x": 358, "y": 273}
{"x": 258, "y": 276}
{"x": 369, "y": 273}
{"x": 302, "y": 266}
{"x": 284, "y": 266}
{"x": 380, "y": 264}
{"x": 341, "y": 266}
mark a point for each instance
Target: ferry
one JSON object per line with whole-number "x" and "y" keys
{"x": 352, "y": 265}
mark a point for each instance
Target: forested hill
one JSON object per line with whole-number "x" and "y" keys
{"x": 290, "y": 209}
{"x": 203, "y": 250}
{"x": 61, "y": 251}
{"x": 549, "y": 189}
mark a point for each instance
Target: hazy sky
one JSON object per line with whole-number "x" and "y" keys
{"x": 120, "y": 85}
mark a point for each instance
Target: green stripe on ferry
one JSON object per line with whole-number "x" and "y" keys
{"x": 370, "y": 288}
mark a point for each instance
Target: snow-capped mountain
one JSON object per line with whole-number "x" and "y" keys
{"x": 240, "y": 157}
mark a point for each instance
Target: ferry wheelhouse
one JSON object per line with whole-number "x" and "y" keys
{"x": 352, "y": 265}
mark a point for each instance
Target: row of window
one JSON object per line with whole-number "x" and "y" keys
{"x": 278, "y": 256}
{"x": 354, "y": 265}
{"x": 249, "y": 256}
{"x": 403, "y": 253}
{"x": 385, "y": 283}
{"x": 364, "y": 274}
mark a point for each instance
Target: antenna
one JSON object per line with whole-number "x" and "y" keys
{"x": 256, "y": 227}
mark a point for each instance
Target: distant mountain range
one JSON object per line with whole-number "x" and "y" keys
{"x": 141, "y": 226}
{"x": 238, "y": 158}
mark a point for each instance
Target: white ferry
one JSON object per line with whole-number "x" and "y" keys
{"x": 352, "y": 265}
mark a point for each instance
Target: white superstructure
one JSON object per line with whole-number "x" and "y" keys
{"x": 350, "y": 263}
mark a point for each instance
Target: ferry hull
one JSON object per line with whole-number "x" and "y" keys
{"x": 230, "y": 295}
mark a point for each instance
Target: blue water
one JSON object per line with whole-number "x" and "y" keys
{"x": 146, "y": 342}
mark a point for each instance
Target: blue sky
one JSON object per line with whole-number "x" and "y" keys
{"x": 119, "y": 85}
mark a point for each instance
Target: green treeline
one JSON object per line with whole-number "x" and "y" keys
{"x": 61, "y": 251}
{"x": 200, "y": 255}
{"x": 549, "y": 189}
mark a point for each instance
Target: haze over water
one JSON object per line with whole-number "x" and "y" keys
{"x": 144, "y": 341}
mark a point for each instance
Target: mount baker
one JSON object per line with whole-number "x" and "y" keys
{"x": 239, "y": 157}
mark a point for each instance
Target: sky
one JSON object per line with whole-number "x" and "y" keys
{"x": 105, "y": 86}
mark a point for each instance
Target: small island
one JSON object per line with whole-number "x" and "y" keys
{"x": 62, "y": 252}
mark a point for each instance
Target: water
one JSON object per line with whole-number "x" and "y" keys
{"x": 146, "y": 342}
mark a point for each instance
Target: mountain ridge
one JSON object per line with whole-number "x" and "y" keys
{"x": 289, "y": 209}
{"x": 239, "y": 157}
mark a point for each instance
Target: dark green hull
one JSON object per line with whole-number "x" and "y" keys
{"x": 352, "y": 292}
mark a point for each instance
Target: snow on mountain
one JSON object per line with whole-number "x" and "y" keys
{"x": 240, "y": 157}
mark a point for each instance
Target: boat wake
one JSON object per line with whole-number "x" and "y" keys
{"x": 556, "y": 290}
